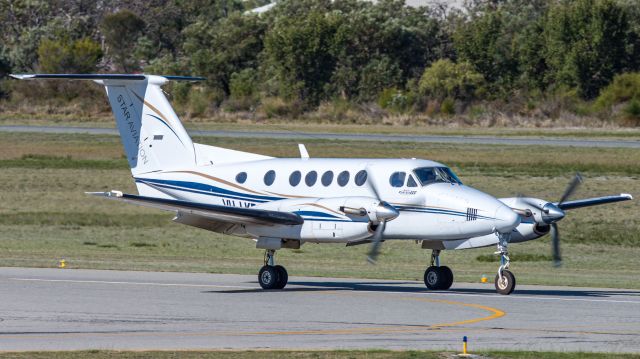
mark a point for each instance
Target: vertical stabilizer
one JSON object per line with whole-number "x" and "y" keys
{"x": 152, "y": 135}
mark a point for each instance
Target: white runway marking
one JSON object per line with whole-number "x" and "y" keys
{"x": 132, "y": 283}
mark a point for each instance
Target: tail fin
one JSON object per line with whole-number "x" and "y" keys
{"x": 152, "y": 135}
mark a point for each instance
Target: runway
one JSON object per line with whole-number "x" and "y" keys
{"x": 481, "y": 140}
{"x": 63, "y": 309}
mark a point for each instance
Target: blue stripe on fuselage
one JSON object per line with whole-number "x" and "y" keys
{"x": 201, "y": 188}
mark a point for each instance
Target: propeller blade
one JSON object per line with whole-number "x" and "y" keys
{"x": 573, "y": 185}
{"x": 371, "y": 183}
{"x": 375, "y": 243}
{"x": 555, "y": 245}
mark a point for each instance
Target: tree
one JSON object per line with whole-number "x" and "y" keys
{"x": 219, "y": 49}
{"x": 67, "y": 56}
{"x": 298, "y": 55}
{"x": 445, "y": 79}
{"x": 121, "y": 31}
{"x": 588, "y": 42}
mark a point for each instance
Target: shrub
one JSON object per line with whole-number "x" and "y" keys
{"x": 446, "y": 79}
{"x": 394, "y": 100}
{"x": 625, "y": 87}
{"x": 632, "y": 113}
{"x": 277, "y": 107}
{"x": 66, "y": 56}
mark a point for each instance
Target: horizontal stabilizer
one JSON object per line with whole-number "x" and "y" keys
{"x": 594, "y": 201}
{"x": 122, "y": 77}
{"x": 221, "y": 213}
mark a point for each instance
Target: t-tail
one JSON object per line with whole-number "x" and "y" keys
{"x": 152, "y": 135}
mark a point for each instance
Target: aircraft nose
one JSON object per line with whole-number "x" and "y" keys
{"x": 506, "y": 219}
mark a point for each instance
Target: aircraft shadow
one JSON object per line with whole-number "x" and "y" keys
{"x": 372, "y": 286}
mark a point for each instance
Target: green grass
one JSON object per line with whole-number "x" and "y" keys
{"x": 45, "y": 215}
{"x": 313, "y": 354}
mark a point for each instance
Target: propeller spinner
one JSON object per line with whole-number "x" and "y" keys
{"x": 550, "y": 214}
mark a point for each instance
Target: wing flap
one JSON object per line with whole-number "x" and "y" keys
{"x": 219, "y": 213}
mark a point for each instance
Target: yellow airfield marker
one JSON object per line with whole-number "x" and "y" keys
{"x": 62, "y": 263}
{"x": 464, "y": 349}
{"x": 483, "y": 279}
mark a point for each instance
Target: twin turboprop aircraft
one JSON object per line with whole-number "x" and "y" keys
{"x": 286, "y": 202}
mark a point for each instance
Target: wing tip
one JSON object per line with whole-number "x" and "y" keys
{"x": 21, "y": 76}
{"x": 626, "y": 195}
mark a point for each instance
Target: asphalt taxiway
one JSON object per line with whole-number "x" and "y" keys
{"x": 63, "y": 309}
{"x": 292, "y": 135}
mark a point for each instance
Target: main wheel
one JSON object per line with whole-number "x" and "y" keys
{"x": 507, "y": 284}
{"x": 434, "y": 278}
{"x": 283, "y": 277}
{"x": 448, "y": 277}
{"x": 268, "y": 277}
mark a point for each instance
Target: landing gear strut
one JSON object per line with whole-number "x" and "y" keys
{"x": 438, "y": 277}
{"x": 272, "y": 276}
{"x": 505, "y": 281}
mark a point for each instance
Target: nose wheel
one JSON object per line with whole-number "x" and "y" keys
{"x": 505, "y": 281}
{"x": 438, "y": 277}
{"x": 272, "y": 276}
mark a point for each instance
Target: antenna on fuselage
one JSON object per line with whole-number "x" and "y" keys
{"x": 303, "y": 151}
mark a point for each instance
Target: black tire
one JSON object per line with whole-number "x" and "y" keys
{"x": 508, "y": 284}
{"x": 448, "y": 277}
{"x": 283, "y": 277}
{"x": 268, "y": 277}
{"x": 433, "y": 278}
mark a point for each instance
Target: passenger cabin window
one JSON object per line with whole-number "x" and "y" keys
{"x": 397, "y": 179}
{"x": 269, "y": 177}
{"x": 361, "y": 178}
{"x": 295, "y": 177}
{"x": 429, "y": 175}
{"x": 411, "y": 182}
{"x": 327, "y": 178}
{"x": 241, "y": 177}
{"x": 343, "y": 178}
{"x": 311, "y": 178}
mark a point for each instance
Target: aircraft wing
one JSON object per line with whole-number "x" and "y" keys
{"x": 594, "y": 201}
{"x": 218, "y": 213}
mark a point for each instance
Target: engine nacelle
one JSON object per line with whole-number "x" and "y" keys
{"x": 340, "y": 219}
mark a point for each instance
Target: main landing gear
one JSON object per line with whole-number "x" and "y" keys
{"x": 272, "y": 276}
{"x": 438, "y": 277}
{"x": 505, "y": 281}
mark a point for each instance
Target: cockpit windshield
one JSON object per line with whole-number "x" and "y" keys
{"x": 429, "y": 175}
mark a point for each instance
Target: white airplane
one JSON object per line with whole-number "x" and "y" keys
{"x": 286, "y": 202}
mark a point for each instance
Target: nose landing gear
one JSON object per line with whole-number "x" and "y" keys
{"x": 438, "y": 277}
{"x": 272, "y": 276}
{"x": 505, "y": 281}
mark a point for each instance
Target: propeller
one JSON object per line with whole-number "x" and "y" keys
{"x": 550, "y": 214}
{"x": 384, "y": 212}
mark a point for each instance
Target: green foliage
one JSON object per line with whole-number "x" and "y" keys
{"x": 511, "y": 56}
{"x": 395, "y": 100}
{"x": 298, "y": 52}
{"x": 588, "y": 42}
{"x": 67, "y": 56}
{"x": 446, "y": 79}
{"x": 632, "y": 112}
{"x": 243, "y": 90}
{"x": 625, "y": 87}
{"x": 217, "y": 49}
{"x": 121, "y": 31}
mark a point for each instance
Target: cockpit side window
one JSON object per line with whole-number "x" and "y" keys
{"x": 397, "y": 179}
{"x": 429, "y": 175}
{"x": 411, "y": 182}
